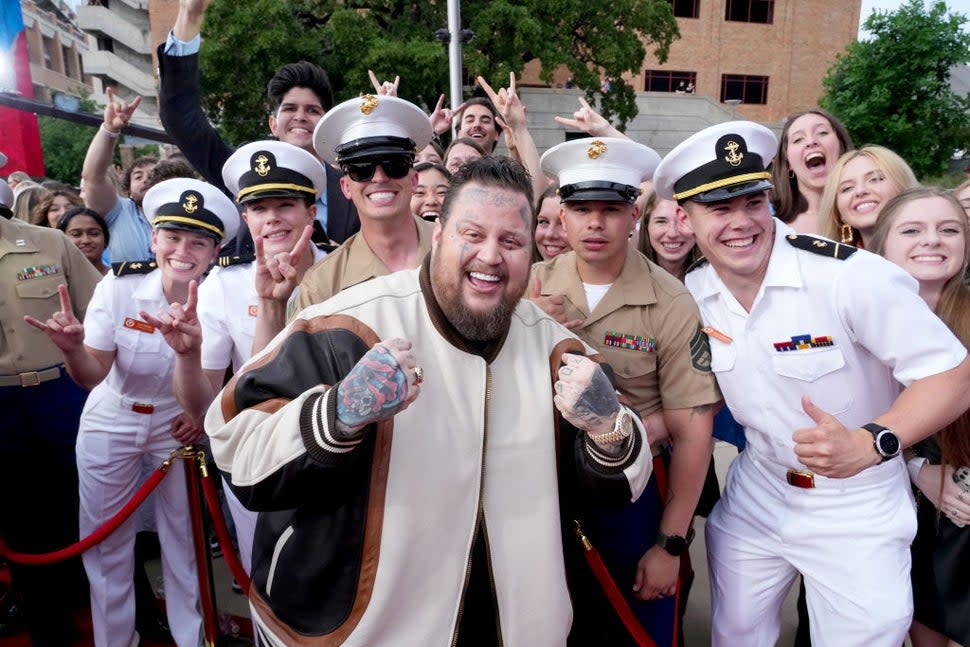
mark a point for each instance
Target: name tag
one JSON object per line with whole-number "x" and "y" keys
{"x": 138, "y": 325}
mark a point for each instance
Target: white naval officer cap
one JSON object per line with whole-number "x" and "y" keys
{"x": 718, "y": 163}
{"x": 371, "y": 126}
{"x": 191, "y": 205}
{"x": 273, "y": 169}
{"x": 600, "y": 168}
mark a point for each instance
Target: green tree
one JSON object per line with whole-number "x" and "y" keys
{"x": 246, "y": 42}
{"x": 65, "y": 143}
{"x": 894, "y": 90}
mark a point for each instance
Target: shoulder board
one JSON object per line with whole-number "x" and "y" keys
{"x": 325, "y": 246}
{"x": 821, "y": 246}
{"x": 231, "y": 259}
{"x": 126, "y": 268}
{"x": 699, "y": 263}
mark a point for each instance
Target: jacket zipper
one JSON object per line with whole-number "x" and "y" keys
{"x": 480, "y": 523}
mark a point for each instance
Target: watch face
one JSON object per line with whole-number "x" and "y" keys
{"x": 888, "y": 443}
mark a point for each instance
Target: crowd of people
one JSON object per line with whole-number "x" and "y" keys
{"x": 440, "y": 384}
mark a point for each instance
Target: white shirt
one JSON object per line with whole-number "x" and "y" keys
{"x": 144, "y": 363}
{"x": 228, "y": 305}
{"x": 882, "y": 335}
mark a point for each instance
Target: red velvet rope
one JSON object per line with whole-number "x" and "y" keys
{"x": 95, "y": 537}
{"x": 222, "y": 532}
{"x": 211, "y": 499}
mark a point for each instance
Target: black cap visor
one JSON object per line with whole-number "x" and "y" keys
{"x": 598, "y": 190}
{"x": 726, "y": 193}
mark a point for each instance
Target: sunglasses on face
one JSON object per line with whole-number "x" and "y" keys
{"x": 395, "y": 167}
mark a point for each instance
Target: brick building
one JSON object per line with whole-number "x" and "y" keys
{"x": 55, "y": 46}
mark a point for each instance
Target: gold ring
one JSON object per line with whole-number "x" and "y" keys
{"x": 418, "y": 375}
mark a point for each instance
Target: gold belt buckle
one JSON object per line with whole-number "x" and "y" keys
{"x": 30, "y": 378}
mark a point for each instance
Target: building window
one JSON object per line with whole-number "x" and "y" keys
{"x": 686, "y": 8}
{"x": 48, "y": 53}
{"x": 750, "y": 11}
{"x": 746, "y": 88}
{"x": 669, "y": 81}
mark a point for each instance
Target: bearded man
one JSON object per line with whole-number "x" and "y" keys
{"x": 418, "y": 443}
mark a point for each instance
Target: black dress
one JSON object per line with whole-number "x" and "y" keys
{"x": 941, "y": 566}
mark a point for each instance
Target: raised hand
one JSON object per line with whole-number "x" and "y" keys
{"x": 553, "y": 305}
{"x": 277, "y": 276}
{"x": 117, "y": 113}
{"x": 388, "y": 88}
{"x": 589, "y": 121}
{"x": 442, "y": 117}
{"x": 383, "y": 383}
{"x": 179, "y": 324}
{"x": 186, "y": 430}
{"x": 585, "y": 396}
{"x": 830, "y": 448}
{"x": 63, "y": 328}
{"x": 506, "y": 101}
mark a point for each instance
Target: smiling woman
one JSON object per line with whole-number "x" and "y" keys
{"x": 861, "y": 182}
{"x": 925, "y": 231}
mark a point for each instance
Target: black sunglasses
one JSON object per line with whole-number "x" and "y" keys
{"x": 395, "y": 167}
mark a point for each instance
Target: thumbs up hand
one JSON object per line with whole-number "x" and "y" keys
{"x": 831, "y": 449}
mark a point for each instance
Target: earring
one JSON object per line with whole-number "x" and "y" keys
{"x": 845, "y": 231}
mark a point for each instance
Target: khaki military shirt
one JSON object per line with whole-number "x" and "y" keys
{"x": 352, "y": 263}
{"x": 33, "y": 262}
{"x": 646, "y": 326}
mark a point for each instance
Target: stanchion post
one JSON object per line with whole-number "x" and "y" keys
{"x": 194, "y": 458}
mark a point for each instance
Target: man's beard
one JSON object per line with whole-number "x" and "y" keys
{"x": 471, "y": 324}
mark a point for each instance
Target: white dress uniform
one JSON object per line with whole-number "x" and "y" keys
{"x": 128, "y": 417}
{"x": 847, "y": 345}
{"x": 841, "y": 326}
{"x": 228, "y": 305}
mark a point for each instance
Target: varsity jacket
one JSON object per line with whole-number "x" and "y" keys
{"x": 369, "y": 542}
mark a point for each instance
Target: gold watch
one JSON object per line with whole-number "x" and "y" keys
{"x": 622, "y": 429}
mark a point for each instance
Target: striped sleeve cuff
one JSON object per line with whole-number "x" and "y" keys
{"x": 622, "y": 457}
{"x": 318, "y": 425}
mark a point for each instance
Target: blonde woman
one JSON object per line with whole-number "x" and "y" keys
{"x": 861, "y": 182}
{"x": 925, "y": 231}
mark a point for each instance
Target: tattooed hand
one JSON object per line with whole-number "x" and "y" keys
{"x": 382, "y": 384}
{"x": 585, "y": 396}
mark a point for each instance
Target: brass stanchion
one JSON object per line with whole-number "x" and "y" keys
{"x": 195, "y": 460}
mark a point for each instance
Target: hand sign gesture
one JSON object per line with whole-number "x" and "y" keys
{"x": 117, "y": 113}
{"x": 63, "y": 328}
{"x": 831, "y": 449}
{"x": 388, "y": 88}
{"x": 589, "y": 121}
{"x": 277, "y": 275}
{"x": 507, "y": 102}
{"x": 179, "y": 324}
{"x": 442, "y": 117}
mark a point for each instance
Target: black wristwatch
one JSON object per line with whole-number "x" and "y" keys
{"x": 885, "y": 441}
{"x": 675, "y": 544}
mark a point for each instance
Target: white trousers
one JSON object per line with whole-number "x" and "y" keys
{"x": 245, "y": 521}
{"x": 112, "y": 444}
{"x": 849, "y": 538}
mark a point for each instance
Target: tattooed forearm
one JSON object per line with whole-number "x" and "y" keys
{"x": 375, "y": 389}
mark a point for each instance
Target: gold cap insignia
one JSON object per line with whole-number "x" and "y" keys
{"x": 733, "y": 157}
{"x": 595, "y": 149}
{"x": 368, "y": 104}
{"x": 191, "y": 203}
{"x": 261, "y": 165}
